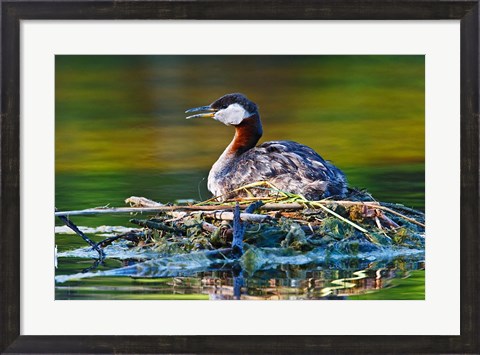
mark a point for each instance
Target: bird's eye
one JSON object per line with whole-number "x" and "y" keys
{"x": 224, "y": 106}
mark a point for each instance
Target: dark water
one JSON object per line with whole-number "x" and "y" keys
{"x": 121, "y": 131}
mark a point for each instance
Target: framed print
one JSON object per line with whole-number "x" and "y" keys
{"x": 93, "y": 102}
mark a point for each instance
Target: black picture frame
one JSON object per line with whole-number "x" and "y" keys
{"x": 12, "y": 12}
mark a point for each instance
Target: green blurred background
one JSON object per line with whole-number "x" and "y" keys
{"x": 121, "y": 129}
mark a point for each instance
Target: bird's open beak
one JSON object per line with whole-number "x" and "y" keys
{"x": 209, "y": 114}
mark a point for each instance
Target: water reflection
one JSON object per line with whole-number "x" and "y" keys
{"x": 291, "y": 283}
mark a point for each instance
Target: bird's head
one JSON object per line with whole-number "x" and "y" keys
{"x": 230, "y": 109}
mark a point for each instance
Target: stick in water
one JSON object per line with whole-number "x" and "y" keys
{"x": 238, "y": 232}
{"x": 73, "y": 227}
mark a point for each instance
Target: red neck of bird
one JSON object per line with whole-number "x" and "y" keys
{"x": 246, "y": 136}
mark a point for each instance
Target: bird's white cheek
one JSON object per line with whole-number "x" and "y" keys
{"x": 232, "y": 115}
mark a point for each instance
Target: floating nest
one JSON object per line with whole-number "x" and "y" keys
{"x": 282, "y": 220}
{"x": 253, "y": 234}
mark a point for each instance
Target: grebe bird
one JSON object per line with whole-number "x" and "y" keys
{"x": 287, "y": 165}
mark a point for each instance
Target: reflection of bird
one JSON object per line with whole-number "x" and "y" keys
{"x": 289, "y": 166}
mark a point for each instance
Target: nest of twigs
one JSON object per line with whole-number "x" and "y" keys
{"x": 279, "y": 220}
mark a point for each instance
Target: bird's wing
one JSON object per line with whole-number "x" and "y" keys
{"x": 279, "y": 158}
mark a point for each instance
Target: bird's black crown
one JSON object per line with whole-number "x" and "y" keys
{"x": 235, "y": 98}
